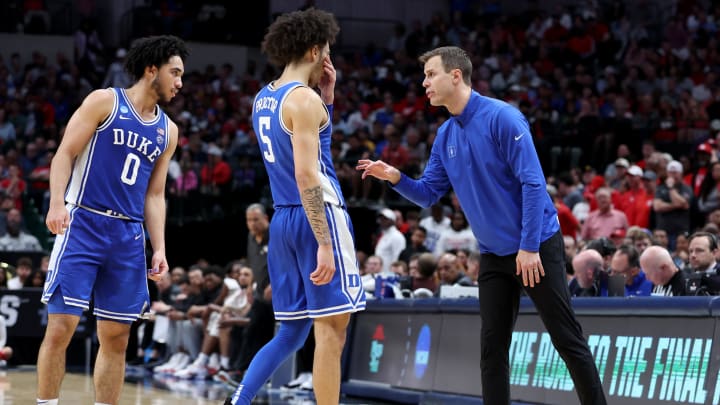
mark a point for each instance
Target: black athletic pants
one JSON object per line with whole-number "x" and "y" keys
{"x": 500, "y": 290}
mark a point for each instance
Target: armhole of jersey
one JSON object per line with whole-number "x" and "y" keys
{"x": 111, "y": 117}
{"x": 280, "y": 107}
{"x": 329, "y": 118}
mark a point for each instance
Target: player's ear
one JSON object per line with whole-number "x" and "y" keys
{"x": 152, "y": 70}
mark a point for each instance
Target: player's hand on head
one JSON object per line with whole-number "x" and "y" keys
{"x": 327, "y": 81}
{"x": 326, "y": 266}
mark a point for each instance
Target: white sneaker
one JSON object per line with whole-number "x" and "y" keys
{"x": 168, "y": 364}
{"x": 298, "y": 381}
{"x": 307, "y": 384}
{"x": 192, "y": 371}
{"x": 183, "y": 362}
{"x": 213, "y": 364}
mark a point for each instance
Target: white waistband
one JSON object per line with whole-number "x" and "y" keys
{"x": 107, "y": 213}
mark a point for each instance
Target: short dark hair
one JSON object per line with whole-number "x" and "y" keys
{"x": 214, "y": 270}
{"x": 711, "y": 238}
{"x": 452, "y": 57}
{"x": 292, "y": 34}
{"x": 153, "y": 51}
{"x": 603, "y": 245}
{"x": 426, "y": 264}
{"x": 633, "y": 257}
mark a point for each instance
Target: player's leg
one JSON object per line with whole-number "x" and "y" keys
{"x": 117, "y": 308}
{"x": 330, "y": 334}
{"x": 51, "y": 357}
{"x": 71, "y": 274}
{"x": 110, "y": 362}
{"x": 289, "y": 338}
{"x": 331, "y": 306}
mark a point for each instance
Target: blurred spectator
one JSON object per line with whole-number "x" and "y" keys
{"x": 458, "y": 236}
{"x": 416, "y": 245}
{"x": 473, "y": 267}
{"x": 569, "y": 225}
{"x": 88, "y": 51}
{"x": 15, "y": 239}
{"x": 373, "y": 267}
{"x": 450, "y": 272}
{"x": 116, "y": 75}
{"x": 434, "y": 224}
{"x": 672, "y": 203}
{"x": 36, "y": 279}
{"x": 709, "y": 195}
{"x": 626, "y": 262}
{"x": 570, "y": 252}
{"x": 590, "y": 278}
{"x": 23, "y": 269}
{"x": 605, "y": 219}
{"x": 422, "y": 274}
{"x": 391, "y": 241}
{"x": 14, "y": 185}
{"x": 660, "y": 269}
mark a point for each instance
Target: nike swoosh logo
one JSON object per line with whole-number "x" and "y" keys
{"x": 137, "y": 236}
{"x": 519, "y": 136}
{"x": 124, "y": 118}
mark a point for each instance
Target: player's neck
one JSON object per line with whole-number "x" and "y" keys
{"x": 295, "y": 73}
{"x": 143, "y": 98}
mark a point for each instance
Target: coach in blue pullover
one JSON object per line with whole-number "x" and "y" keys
{"x": 486, "y": 153}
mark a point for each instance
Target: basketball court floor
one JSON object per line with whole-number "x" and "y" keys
{"x": 18, "y": 386}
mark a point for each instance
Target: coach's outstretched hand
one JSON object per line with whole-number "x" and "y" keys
{"x": 378, "y": 169}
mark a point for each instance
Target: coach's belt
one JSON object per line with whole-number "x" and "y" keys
{"x": 107, "y": 213}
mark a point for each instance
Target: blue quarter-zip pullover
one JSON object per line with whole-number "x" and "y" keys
{"x": 487, "y": 155}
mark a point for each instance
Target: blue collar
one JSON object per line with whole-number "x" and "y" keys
{"x": 467, "y": 113}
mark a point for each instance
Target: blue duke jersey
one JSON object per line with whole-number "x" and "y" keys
{"x": 292, "y": 251}
{"x": 276, "y": 147}
{"x": 112, "y": 173}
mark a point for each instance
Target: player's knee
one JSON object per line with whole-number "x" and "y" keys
{"x": 113, "y": 335}
{"x": 332, "y": 330}
{"x": 59, "y": 331}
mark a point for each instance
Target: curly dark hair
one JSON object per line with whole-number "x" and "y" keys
{"x": 292, "y": 34}
{"x": 153, "y": 51}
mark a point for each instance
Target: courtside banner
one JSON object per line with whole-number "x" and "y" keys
{"x": 667, "y": 357}
{"x": 26, "y": 316}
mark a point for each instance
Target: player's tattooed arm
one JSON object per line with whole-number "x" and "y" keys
{"x": 314, "y": 205}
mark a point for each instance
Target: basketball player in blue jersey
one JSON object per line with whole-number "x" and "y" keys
{"x": 107, "y": 183}
{"x": 311, "y": 256}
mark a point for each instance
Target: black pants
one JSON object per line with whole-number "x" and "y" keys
{"x": 499, "y": 301}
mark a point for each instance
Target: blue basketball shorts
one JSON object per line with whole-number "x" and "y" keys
{"x": 292, "y": 257}
{"x": 100, "y": 258}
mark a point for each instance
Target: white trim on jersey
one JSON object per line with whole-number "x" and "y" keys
{"x": 56, "y": 255}
{"x": 74, "y": 302}
{"x": 280, "y": 106}
{"x": 106, "y": 312}
{"x": 345, "y": 248}
{"x": 110, "y": 118}
{"x": 135, "y": 113}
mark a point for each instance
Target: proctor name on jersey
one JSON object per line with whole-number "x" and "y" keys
{"x": 131, "y": 141}
{"x": 266, "y": 103}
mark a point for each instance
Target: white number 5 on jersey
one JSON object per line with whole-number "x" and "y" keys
{"x": 264, "y": 127}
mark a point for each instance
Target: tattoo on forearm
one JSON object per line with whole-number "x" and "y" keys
{"x": 312, "y": 200}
